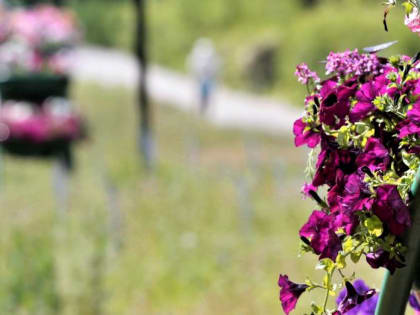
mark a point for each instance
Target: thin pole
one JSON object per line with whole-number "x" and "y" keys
{"x": 145, "y": 136}
{"x": 396, "y": 288}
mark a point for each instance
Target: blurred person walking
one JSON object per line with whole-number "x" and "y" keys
{"x": 204, "y": 64}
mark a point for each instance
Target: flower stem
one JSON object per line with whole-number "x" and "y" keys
{"x": 324, "y": 308}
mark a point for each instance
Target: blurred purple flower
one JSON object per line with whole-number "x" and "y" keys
{"x": 38, "y": 126}
{"x": 414, "y": 303}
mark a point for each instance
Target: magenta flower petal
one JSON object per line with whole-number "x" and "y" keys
{"x": 367, "y": 306}
{"x": 320, "y": 230}
{"x": 289, "y": 293}
{"x": 303, "y": 136}
{"x": 353, "y": 298}
{"x": 391, "y": 209}
{"x": 360, "y": 111}
{"x": 381, "y": 258}
{"x": 375, "y": 156}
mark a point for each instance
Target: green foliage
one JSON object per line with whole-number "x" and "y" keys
{"x": 107, "y": 23}
{"x": 30, "y": 281}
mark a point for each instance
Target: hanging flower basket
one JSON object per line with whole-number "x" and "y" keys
{"x": 363, "y": 125}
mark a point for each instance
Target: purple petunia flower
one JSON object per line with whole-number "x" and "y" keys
{"x": 356, "y": 195}
{"x": 320, "y": 230}
{"x": 330, "y": 160}
{"x": 304, "y": 134}
{"x": 289, "y": 293}
{"x": 411, "y": 125}
{"x": 391, "y": 209}
{"x": 365, "y": 96}
{"x": 368, "y": 306}
{"x": 335, "y": 105}
{"x": 375, "y": 156}
{"x": 381, "y": 258}
{"x": 357, "y": 299}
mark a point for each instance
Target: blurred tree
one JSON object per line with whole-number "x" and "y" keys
{"x": 260, "y": 66}
{"x": 309, "y": 3}
{"x": 146, "y": 141}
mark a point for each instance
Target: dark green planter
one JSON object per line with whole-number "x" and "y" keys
{"x": 34, "y": 88}
{"x": 59, "y": 148}
{"x": 20, "y": 3}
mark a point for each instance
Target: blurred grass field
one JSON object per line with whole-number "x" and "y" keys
{"x": 207, "y": 232}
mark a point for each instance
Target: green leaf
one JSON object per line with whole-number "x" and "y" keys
{"x": 310, "y": 166}
{"x": 340, "y": 261}
{"x": 325, "y": 264}
{"x": 374, "y": 225}
{"x": 348, "y": 245}
{"x": 408, "y": 7}
{"x": 316, "y": 309}
{"x": 343, "y": 137}
{"x": 355, "y": 257}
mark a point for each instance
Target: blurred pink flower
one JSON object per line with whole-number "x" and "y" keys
{"x": 412, "y": 21}
{"x": 43, "y": 25}
{"x": 24, "y": 121}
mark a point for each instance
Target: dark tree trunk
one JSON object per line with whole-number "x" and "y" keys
{"x": 145, "y": 131}
{"x": 309, "y": 3}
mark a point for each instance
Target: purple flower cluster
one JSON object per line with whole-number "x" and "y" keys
{"x": 352, "y": 63}
{"x": 364, "y": 121}
{"x": 305, "y": 75}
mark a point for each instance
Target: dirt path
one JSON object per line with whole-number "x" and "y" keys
{"x": 228, "y": 109}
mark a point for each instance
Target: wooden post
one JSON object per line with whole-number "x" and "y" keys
{"x": 145, "y": 137}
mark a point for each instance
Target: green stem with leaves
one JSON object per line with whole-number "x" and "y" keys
{"x": 328, "y": 284}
